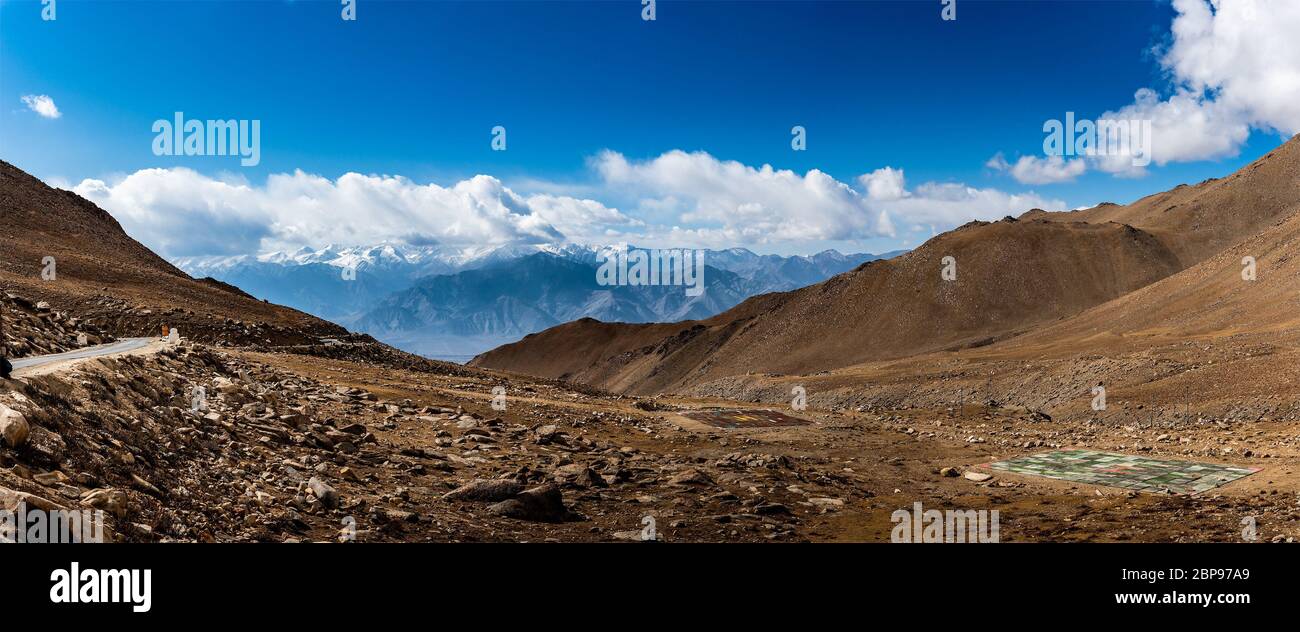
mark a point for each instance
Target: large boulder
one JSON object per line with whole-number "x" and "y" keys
{"x": 483, "y": 490}
{"x": 13, "y": 427}
{"x": 539, "y": 504}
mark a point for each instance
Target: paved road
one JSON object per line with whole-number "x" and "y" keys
{"x": 121, "y": 346}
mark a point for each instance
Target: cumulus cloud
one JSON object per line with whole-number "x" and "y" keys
{"x": 677, "y": 199}
{"x": 42, "y": 104}
{"x": 738, "y": 202}
{"x": 1036, "y": 170}
{"x": 1245, "y": 54}
{"x": 945, "y": 205}
{"x": 180, "y": 212}
{"x": 1233, "y": 66}
{"x": 883, "y": 184}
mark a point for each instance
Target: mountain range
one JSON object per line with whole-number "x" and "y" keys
{"x": 455, "y": 303}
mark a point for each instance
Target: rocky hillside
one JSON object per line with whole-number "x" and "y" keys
{"x": 28, "y": 328}
{"x": 274, "y": 454}
{"x": 60, "y": 249}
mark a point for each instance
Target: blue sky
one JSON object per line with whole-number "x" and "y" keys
{"x": 413, "y": 88}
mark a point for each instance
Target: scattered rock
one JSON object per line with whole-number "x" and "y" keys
{"x": 691, "y": 478}
{"x": 324, "y": 493}
{"x": 578, "y": 475}
{"x": 547, "y": 434}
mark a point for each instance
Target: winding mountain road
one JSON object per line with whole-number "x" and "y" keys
{"x": 37, "y": 365}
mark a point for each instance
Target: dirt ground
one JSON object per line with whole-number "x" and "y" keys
{"x": 839, "y": 479}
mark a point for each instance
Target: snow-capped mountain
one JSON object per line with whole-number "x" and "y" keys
{"x": 454, "y": 302}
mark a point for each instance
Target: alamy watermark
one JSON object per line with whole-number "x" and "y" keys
{"x": 193, "y": 137}
{"x": 1099, "y": 397}
{"x": 949, "y": 10}
{"x": 23, "y": 525}
{"x": 642, "y": 266}
{"x": 948, "y": 526}
{"x": 93, "y": 585}
{"x": 800, "y": 400}
{"x": 1103, "y": 137}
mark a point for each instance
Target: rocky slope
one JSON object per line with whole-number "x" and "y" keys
{"x": 28, "y": 328}
{"x": 63, "y": 250}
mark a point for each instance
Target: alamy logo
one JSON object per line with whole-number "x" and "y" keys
{"x": 103, "y": 586}
{"x": 198, "y": 399}
{"x": 949, "y": 270}
{"x": 640, "y": 266}
{"x": 1099, "y": 398}
{"x": 59, "y": 526}
{"x": 800, "y": 401}
{"x": 799, "y": 140}
{"x": 948, "y": 526}
{"x": 1103, "y": 137}
{"x": 209, "y": 138}
{"x": 648, "y": 531}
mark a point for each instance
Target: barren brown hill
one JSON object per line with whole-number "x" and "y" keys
{"x": 115, "y": 284}
{"x": 1203, "y": 345}
{"x": 1013, "y": 276}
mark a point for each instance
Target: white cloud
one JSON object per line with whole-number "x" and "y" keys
{"x": 998, "y": 162}
{"x": 946, "y": 205}
{"x": 1036, "y": 170}
{"x": 734, "y": 204}
{"x": 740, "y": 203}
{"x": 1185, "y": 127}
{"x": 1243, "y": 52}
{"x": 1233, "y": 66}
{"x": 180, "y": 212}
{"x": 677, "y": 199}
{"x": 42, "y": 105}
{"x": 883, "y": 184}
